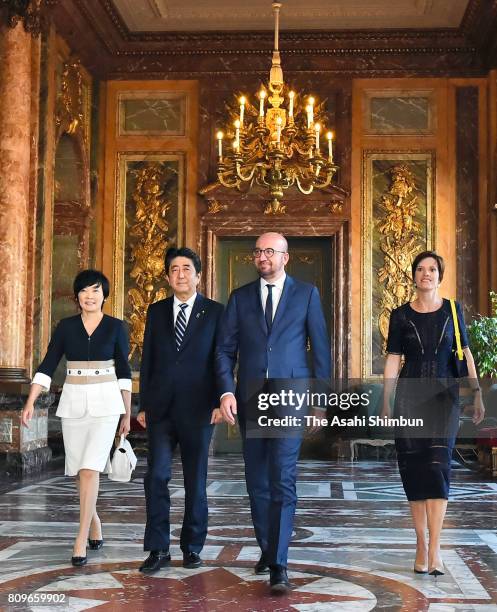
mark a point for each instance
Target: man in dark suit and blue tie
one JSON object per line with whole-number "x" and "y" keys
{"x": 178, "y": 396}
{"x": 267, "y": 325}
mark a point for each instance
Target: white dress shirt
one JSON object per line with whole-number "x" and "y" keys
{"x": 188, "y": 311}
{"x": 276, "y": 292}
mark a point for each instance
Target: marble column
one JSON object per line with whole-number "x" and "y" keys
{"x": 15, "y": 121}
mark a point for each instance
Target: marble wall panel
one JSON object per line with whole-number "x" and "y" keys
{"x": 152, "y": 113}
{"x": 467, "y": 197}
{"x": 399, "y": 114}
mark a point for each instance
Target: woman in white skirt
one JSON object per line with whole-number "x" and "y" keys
{"x": 95, "y": 397}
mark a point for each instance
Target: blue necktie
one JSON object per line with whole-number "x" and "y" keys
{"x": 268, "y": 311}
{"x": 180, "y": 327}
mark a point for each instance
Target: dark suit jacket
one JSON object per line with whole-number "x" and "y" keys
{"x": 283, "y": 352}
{"x": 180, "y": 384}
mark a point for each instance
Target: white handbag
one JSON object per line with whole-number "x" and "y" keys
{"x": 123, "y": 462}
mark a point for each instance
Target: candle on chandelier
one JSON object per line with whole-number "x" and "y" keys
{"x": 236, "y": 144}
{"x": 291, "y": 95}
{"x": 311, "y": 104}
{"x": 317, "y": 128}
{"x": 262, "y": 95}
{"x": 278, "y": 129}
{"x": 219, "y": 137}
{"x": 242, "y": 109}
{"x": 329, "y": 136}
{"x": 308, "y": 110}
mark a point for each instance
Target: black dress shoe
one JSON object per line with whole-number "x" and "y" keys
{"x": 95, "y": 544}
{"x": 261, "y": 567}
{"x": 278, "y": 580}
{"x": 191, "y": 560}
{"x": 79, "y": 561}
{"x": 156, "y": 560}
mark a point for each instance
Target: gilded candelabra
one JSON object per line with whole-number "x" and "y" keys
{"x": 276, "y": 148}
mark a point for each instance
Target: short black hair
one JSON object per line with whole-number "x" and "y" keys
{"x": 174, "y": 252}
{"x": 424, "y": 255}
{"x": 88, "y": 278}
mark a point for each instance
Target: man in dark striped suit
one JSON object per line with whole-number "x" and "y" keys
{"x": 178, "y": 399}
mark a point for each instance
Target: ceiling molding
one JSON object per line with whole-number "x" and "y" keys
{"x": 95, "y": 31}
{"x": 215, "y": 15}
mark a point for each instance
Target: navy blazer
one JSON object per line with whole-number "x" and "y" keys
{"x": 283, "y": 352}
{"x": 180, "y": 384}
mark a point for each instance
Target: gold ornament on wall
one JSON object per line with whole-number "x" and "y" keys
{"x": 400, "y": 242}
{"x": 214, "y": 207}
{"x": 70, "y": 115}
{"x": 148, "y": 239}
{"x": 335, "y": 206}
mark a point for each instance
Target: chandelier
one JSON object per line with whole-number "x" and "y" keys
{"x": 276, "y": 147}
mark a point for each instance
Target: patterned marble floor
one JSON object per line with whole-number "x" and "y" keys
{"x": 352, "y": 550}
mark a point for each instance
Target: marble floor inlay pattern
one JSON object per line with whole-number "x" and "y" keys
{"x": 352, "y": 550}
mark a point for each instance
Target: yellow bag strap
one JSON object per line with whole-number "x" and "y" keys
{"x": 460, "y": 354}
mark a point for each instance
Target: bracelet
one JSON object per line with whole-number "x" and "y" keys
{"x": 475, "y": 390}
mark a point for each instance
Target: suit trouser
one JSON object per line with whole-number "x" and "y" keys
{"x": 271, "y": 476}
{"x": 163, "y": 437}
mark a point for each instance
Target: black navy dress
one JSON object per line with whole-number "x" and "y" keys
{"x": 91, "y": 400}
{"x": 427, "y": 388}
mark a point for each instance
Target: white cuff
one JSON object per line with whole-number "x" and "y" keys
{"x": 227, "y": 393}
{"x": 125, "y": 384}
{"x": 42, "y": 379}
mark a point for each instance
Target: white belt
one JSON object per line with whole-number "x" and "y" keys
{"x": 91, "y": 371}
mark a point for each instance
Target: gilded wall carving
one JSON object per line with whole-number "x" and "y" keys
{"x": 147, "y": 221}
{"x": 70, "y": 111}
{"x": 397, "y": 221}
{"x": 401, "y": 241}
{"x": 148, "y": 235}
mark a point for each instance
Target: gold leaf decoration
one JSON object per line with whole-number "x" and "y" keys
{"x": 70, "y": 116}
{"x": 401, "y": 241}
{"x": 148, "y": 234}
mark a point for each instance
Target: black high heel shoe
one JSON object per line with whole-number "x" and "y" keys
{"x": 95, "y": 544}
{"x": 79, "y": 561}
{"x": 436, "y": 571}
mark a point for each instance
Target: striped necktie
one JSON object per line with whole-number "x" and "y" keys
{"x": 180, "y": 327}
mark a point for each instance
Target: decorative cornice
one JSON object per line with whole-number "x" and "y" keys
{"x": 27, "y": 11}
{"x": 116, "y": 19}
{"x": 90, "y": 18}
{"x": 464, "y": 51}
{"x": 480, "y": 28}
{"x": 305, "y": 52}
{"x": 470, "y": 19}
{"x": 267, "y": 36}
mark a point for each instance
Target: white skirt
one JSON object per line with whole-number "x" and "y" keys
{"x": 88, "y": 442}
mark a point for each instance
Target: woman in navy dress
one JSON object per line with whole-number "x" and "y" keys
{"x": 96, "y": 396}
{"x": 426, "y": 387}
